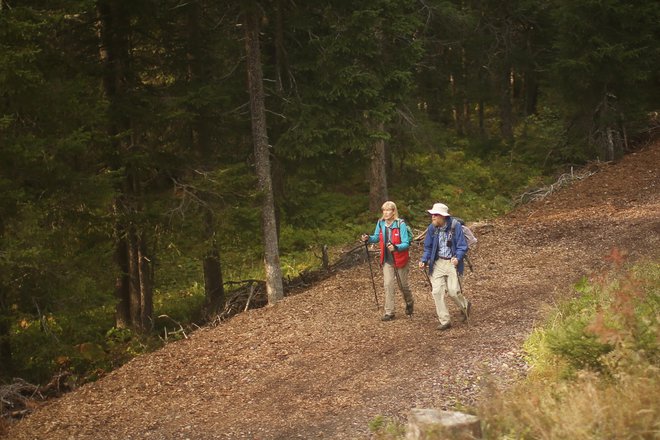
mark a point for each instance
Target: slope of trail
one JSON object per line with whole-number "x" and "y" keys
{"x": 321, "y": 364}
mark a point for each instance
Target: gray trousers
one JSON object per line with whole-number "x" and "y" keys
{"x": 390, "y": 284}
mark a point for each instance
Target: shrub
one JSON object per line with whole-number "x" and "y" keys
{"x": 594, "y": 366}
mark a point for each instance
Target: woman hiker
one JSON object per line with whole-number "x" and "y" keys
{"x": 444, "y": 249}
{"x": 392, "y": 235}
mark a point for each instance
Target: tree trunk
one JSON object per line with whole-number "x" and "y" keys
{"x": 482, "y": 118}
{"x": 133, "y": 286}
{"x": 482, "y": 79}
{"x": 280, "y": 53}
{"x": 213, "y": 281}
{"x": 531, "y": 87}
{"x": 455, "y": 112}
{"x": 466, "y": 116}
{"x": 378, "y": 175}
{"x": 146, "y": 286}
{"x": 123, "y": 309}
{"x": 274, "y": 287}
{"x": 506, "y": 110}
{"x": 6, "y": 363}
{"x": 201, "y": 141}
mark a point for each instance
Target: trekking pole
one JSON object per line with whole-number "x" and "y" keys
{"x": 460, "y": 289}
{"x": 469, "y": 263}
{"x": 373, "y": 283}
{"x": 426, "y": 276}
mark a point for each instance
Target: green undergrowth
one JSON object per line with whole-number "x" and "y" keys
{"x": 594, "y": 366}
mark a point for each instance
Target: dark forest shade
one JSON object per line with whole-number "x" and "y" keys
{"x": 149, "y": 147}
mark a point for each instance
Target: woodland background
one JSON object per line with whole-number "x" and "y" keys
{"x": 157, "y": 154}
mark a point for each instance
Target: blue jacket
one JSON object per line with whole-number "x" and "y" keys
{"x": 459, "y": 245}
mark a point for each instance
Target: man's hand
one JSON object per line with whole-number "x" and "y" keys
{"x": 454, "y": 261}
{"x": 391, "y": 247}
{"x": 422, "y": 265}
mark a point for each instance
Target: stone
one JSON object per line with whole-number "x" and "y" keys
{"x": 435, "y": 424}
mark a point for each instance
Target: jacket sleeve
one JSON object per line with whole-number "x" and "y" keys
{"x": 428, "y": 245}
{"x": 375, "y": 237}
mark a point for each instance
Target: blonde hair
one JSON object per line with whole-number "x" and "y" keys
{"x": 392, "y": 206}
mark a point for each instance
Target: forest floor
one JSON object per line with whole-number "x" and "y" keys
{"x": 321, "y": 364}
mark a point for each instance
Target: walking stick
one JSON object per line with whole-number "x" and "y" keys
{"x": 373, "y": 283}
{"x": 426, "y": 275}
{"x": 460, "y": 288}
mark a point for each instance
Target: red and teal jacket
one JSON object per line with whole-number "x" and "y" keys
{"x": 399, "y": 238}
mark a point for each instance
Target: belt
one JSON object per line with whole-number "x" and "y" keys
{"x": 444, "y": 258}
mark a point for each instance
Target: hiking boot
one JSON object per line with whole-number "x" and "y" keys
{"x": 409, "y": 308}
{"x": 443, "y": 327}
{"x": 467, "y": 312}
{"x": 387, "y": 317}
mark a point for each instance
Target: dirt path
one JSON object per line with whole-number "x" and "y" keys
{"x": 322, "y": 365}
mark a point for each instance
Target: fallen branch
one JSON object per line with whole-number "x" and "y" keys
{"x": 174, "y": 332}
{"x": 563, "y": 181}
{"x": 247, "y": 303}
{"x": 18, "y": 398}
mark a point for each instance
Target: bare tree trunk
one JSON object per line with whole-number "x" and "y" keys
{"x": 466, "y": 117}
{"x": 482, "y": 118}
{"x": 6, "y": 361}
{"x": 201, "y": 141}
{"x": 506, "y": 109}
{"x": 123, "y": 308}
{"x": 531, "y": 88}
{"x": 133, "y": 286}
{"x": 213, "y": 281}
{"x": 482, "y": 80}
{"x": 274, "y": 287}
{"x": 378, "y": 175}
{"x": 455, "y": 112}
{"x": 146, "y": 286}
{"x": 280, "y": 53}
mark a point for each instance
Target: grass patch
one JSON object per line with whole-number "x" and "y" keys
{"x": 594, "y": 366}
{"x": 386, "y": 428}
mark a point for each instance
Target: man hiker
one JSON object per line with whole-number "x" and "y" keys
{"x": 444, "y": 248}
{"x": 392, "y": 235}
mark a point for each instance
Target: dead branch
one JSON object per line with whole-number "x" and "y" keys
{"x": 563, "y": 181}
{"x": 18, "y": 398}
{"x": 247, "y": 303}
{"x": 173, "y": 332}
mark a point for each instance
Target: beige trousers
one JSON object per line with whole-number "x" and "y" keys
{"x": 390, "y": 284}
{"x": 445, "y": 278}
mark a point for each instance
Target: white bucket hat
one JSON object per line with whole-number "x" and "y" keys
{"x": 439, "y": 208}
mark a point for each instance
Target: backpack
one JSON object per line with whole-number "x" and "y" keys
{"x": 470, "y": 238}
{"x": 467, "y": 232}
{"x": 402, "y": 222}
